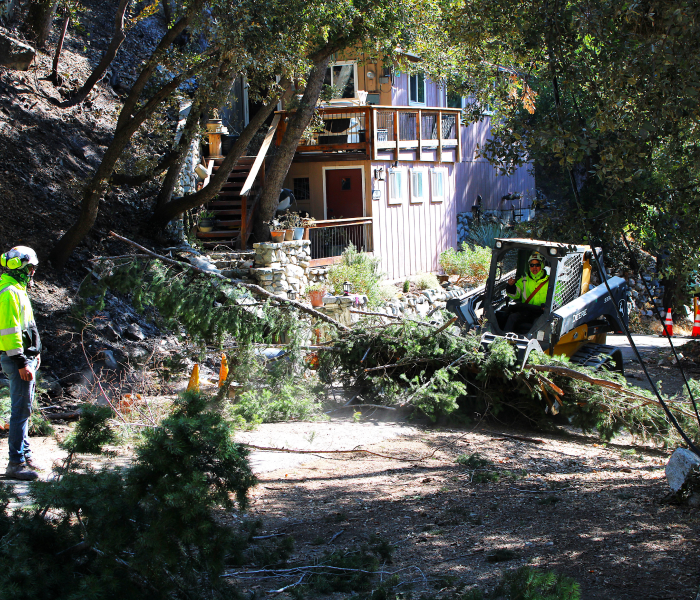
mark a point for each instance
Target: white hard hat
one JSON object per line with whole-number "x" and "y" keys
{"x": 19, "y": 257}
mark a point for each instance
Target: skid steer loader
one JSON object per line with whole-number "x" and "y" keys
{"x": 576, "y": 317}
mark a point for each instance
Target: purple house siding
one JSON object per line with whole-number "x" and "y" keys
{"x": 475, "y": 176}
{"x": 410, "y": 237}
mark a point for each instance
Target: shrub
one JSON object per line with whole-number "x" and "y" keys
{"x": 485, "y": 234}
{"x": 361, "y": 270}
{"x": 471, "y": 265}
{"x": 291, "y": 401}
{"x": 427, "y": 281}
{"x": 406, "y": 286}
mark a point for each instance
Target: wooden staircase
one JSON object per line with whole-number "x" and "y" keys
{"x": 235, "y": 204}
{"x": 233, "y": 212}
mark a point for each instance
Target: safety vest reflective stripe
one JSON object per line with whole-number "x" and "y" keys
{"x": 11, "y": 330}
{"x": 13, "y": 352}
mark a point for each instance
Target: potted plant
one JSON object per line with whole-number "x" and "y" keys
{"x": 207, "y": 220}
{"x": 316, "y": 292}
{"x": 276, "y": 231}
{"x": 293, "y": 225}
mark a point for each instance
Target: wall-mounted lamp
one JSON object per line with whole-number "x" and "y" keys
{"x": 347, "y": 288}
{"x": 379, "y": 174}
{"x": 370, "y": 74}
{"x": 396, "y": 164}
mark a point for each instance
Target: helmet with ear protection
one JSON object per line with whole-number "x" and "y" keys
{"x": 19, "y": 257}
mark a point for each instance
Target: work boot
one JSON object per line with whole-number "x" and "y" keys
{"x": 20, "y": 471}
{"x": 34, "y": 466}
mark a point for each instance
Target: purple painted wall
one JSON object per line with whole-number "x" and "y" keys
{"x": 475, "y": 176}
{"x": 410, "y": 237}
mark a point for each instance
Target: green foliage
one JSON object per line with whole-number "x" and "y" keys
{"x": 361, "y": 270}
{"x": 426, "y": 281}
{"x": 471, "y": 265}
{"x": 531, "y": 584}
{"x": 291, "y": 401}
{"x": 473, "y": 461}
{"x": 485, "y": 234}
{"x": 360, "y": 562}
{"x": 406, "y": 286}
{"x": 38, "y": 425}
{"x": 207, "y": 309}
{"x": 146, "y": 531}
{"x": 92, "y": 431}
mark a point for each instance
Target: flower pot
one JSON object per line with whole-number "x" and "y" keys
{"x": 298, "y": 233}
{"x": 288, "y": 235}
{"x": 206, "y": 225}
{"x": 277, "y": 236}
{"x": 316, "y": 297}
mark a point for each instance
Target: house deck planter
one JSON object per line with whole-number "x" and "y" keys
{"x": 316, "y": 297}
{"x": 277, "y": 236}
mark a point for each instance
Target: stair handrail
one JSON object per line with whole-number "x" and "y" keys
{"x": 250, "y": 180}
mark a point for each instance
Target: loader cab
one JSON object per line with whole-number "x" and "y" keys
{"x": 568, "y": 271}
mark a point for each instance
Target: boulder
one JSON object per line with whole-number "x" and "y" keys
{"x": 679, "y": 467}
{"x": 15, "y": 54}
{"x": 134, "y": 333}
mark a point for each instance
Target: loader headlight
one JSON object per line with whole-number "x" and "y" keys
{"x": 553, "y": 251}
{"x": 499, "y": 244}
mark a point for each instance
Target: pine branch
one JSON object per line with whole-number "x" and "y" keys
{"x": 249, "y": 286}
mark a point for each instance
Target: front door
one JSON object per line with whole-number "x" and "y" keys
{"x": 344, "y": 194}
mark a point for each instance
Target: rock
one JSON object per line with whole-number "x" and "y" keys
{"x": 694, "y": 500}
{"x": 15, "y": 54}
{"x": 136, "y": 353}
{"x": 134, "y": 333}
{"x": 109, "y": 332}
{"x": 110, "y": 361}
{"x": 53, "y": 387}
{"x": 679, "y": 466}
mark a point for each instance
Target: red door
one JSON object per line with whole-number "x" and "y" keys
{"x": 344, "y": 193}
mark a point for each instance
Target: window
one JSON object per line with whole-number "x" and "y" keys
{"x": 397, "y": 186}
{"x": 342, "y": 75}
{"x": 416, "y": 89}
{"x": 454, "y": 100}
{"x": 419, "y": 186}
{"x": 301, "y": 188}
{"x": 438, "y": 184}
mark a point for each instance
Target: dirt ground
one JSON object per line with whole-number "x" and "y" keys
{"x": 560, "y": 501}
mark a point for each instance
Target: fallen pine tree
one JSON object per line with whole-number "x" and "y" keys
{"x": 401, "y": 363}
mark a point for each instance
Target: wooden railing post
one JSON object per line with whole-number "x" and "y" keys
{"x": 375, "y": 133}
{"x": 439, "y": 154}
{"x": 243, "y": 239}
{"x": 419, "y": 135}
{"x": 397, "y": 136}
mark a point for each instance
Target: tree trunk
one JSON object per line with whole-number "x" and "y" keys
{"x": 279, "y": 167}
{"x": 94, "y": 190}
{"x": 117, "y": 38}
{"x": 167, "y": 11}
{"x": 179, "y": 205}
{"x": 40, "y": 20}
{"x": 166, "y": 189}
{"x": 54, "y": 78}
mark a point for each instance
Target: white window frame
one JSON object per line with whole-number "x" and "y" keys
{"x": 397, "y": 194}
{"x": 436, "y": 174}
{"x": 419, "y": 193}
{"x": 342, "y": 63}
{"x": 416, "y": 102}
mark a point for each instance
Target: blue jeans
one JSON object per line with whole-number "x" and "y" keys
{"x": 21, "y": 397}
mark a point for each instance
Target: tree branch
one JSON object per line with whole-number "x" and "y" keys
{"x": 250, "y": 286}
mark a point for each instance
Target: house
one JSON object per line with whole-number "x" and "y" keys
{"x": 387, "y": 166}
{"x": 390, "y": 167}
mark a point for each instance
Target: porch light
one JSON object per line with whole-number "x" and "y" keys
{"x": 379, "y": 174}
{"x": 347, "y": 288}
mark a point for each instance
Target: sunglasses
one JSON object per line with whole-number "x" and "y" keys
{"x": 533, "y": 265}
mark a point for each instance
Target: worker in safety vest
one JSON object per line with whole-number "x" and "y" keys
{"x": 20, "y": 349}
{"x": 529, "y": 292}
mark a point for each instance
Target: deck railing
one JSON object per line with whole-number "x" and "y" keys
{"x": 330, "y": 238}
{"x": 370, "y": 129}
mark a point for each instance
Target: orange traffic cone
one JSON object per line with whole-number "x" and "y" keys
{"x": 696, "y": 324}
{"x": 223, "y": 371}
{"x": 193, "y": 385}
{"x": 668, "y": 324}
